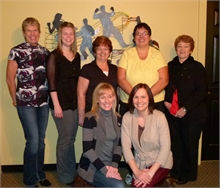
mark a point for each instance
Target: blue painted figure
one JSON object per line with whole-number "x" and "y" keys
{"x": 108, "y": 27}
{"x": 86, "y": 32}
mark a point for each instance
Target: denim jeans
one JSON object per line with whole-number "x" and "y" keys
{"x": 67, "y": 128}
{"x": 34, "y": 122}
{"x": 100, "y": 180}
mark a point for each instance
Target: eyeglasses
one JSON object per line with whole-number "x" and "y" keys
{"x": 142, "y": 34}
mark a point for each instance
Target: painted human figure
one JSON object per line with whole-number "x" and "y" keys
{"x": 86, "y": 32}
{"x": 56, "y": 23}
{"x": 108, "y": 27}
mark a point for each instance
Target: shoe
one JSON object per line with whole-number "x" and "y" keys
{"x": 181, "y": 181}
{"x": 70, "y": 184}
{"x": 45, "y": 183}
{"x": 128, "y": 179}
{"x": 166, "y": 182}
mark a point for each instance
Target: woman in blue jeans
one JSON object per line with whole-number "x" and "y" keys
{"x": 26, "y": 61}
{"x": 102, "y": 152}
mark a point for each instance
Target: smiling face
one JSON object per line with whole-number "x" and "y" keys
{"x": 102, "y": 53}
{"x": 106, "y": 100}
{"x": 67, "y": 36}
{"x": 32, "y": 34}
{"x": 141, "y": 100}
{"x": 183, "y": 51}
{"x": 142, "y": 37}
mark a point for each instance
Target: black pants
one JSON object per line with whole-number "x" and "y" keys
{"x": 185, "y": 136}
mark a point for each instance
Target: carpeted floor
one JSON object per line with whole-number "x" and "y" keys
{"x": 208, "y": 176}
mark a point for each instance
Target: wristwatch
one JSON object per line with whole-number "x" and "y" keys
{"x": 184, "y": 109}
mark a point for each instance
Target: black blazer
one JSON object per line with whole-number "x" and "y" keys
{"x": 190, "y": 80}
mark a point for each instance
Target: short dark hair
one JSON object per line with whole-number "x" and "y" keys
{"x": 142, "y": 25}
{"x": 149, "y": 93}
{"x": 102, "y": 40}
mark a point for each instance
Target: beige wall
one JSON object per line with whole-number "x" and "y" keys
{"x": 167, "y": 18}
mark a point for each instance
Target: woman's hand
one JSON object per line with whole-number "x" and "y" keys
{"x": 113, "y": 173}
{"x": 82, "y": 87}
{"x": 167, "y": 105}
{"x": 180, "y": 113}
{"x": 81, "y": 120}
{"x": 58, "y": 112}
{"x": 122, "y": 81}
{"x": 142, "y": 178}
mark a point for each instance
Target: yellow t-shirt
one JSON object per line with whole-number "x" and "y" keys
{"x": 142, "y": 71}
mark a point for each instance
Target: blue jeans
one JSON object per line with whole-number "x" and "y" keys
{"x": 67, "y": 128}
{"x": 100, "y": 180}
{"x": 34, "y": 122}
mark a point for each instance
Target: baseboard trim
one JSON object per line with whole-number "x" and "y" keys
{"x": 47, "y": 167}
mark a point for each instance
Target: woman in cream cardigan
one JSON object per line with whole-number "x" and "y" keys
{"x": 147, "y": 130}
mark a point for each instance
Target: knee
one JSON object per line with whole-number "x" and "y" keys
{"x": 63, "y": 144}
{"x": 41, "y": 144}
{"x": 79, "y": 182}
{"x": 32, "y": 147}
{"x": 120, "y": 184}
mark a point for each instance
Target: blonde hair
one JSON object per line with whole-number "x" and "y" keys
{"x": 30, "y": 21}
{"x": 99, "y": 91}
{"x": 74, "y": 45}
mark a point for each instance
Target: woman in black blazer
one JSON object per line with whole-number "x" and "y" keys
{"x": 185, "y": 104}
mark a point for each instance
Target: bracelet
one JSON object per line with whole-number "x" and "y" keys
{"x": 184, "y": 109}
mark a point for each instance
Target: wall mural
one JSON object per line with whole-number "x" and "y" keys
{"x": 87, "y": 33}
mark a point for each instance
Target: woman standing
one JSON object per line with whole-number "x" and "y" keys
{"x": 142, "y": 64}
{"x": 185, "y": 102}
{"x": 63, "y": 69}
{"x": 146, "y": 129}
{"x": 102, "y": 140}
{"x": 99, "y": 70}
{"x": 30, "y": 96}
